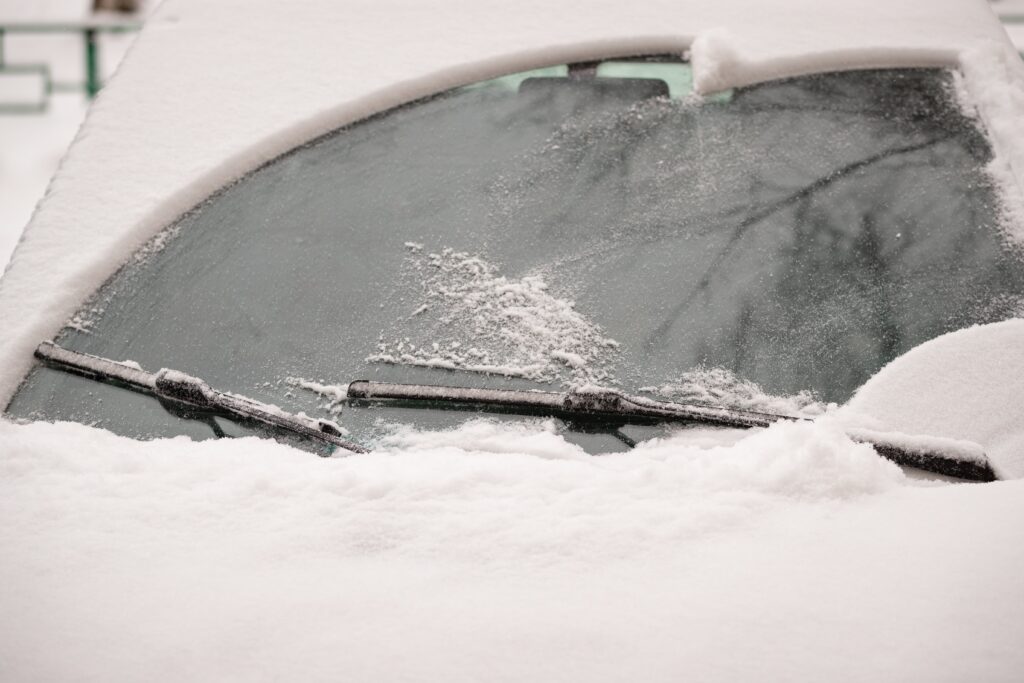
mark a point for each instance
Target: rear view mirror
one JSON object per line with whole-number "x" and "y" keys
{"x": 571, "y": 95}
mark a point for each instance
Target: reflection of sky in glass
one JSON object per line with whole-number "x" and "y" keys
{"x": 511, "y": 81}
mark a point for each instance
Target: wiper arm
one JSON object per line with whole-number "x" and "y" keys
{"x": 594, "y": 402}
{"x": 959, "y": 459}
{"x": 178, "y": 387}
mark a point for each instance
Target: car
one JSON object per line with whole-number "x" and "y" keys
{"x": 759, "y": 246}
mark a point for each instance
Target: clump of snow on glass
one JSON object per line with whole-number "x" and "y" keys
{"x": 721, "y": 387}
{"x": 482, "y": 321}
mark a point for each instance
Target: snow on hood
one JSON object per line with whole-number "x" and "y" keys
{"x": 259, "y": 77}
{"x": 502, "y": 553}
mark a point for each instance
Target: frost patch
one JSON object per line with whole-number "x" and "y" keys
{"x": 481, "y": 321}
{"x": 720, "y": 387}
{"x": 84, "y": 320}
{"x": 155, "y": 245}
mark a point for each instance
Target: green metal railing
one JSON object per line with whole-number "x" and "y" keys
{"x": 89, "y": 31}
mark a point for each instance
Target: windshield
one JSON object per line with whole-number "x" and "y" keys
{"x": 598, "y": 224}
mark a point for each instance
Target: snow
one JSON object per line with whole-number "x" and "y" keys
{"x": 963, "y": 385}
{"x": 1016, "y": 33}
{"x": 497, "y": 551}
{"x": 335, "y": 393}
{"x": 924, "y": 444}
{"x": 489, "y": 324}
{"x": 992, "y": 83}
{"x": 721, "y": 387}
{"x": 500, "y": 553}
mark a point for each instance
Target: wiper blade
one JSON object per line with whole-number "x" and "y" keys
{"x": 178, "y": 387}
{"x": 589, "y": 402}
{"x": 959, "y": 459}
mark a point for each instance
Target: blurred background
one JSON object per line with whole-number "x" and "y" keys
{"x": 55, "y": 56}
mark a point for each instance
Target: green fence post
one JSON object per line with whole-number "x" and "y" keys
{"x": 92, "y": 79}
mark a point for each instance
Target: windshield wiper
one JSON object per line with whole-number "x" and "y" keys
{"x": 587, "y": 402}
{"x": 178, "y": 387}
{"x": 960, "y": 459}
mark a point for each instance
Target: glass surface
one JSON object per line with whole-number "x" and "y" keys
{"x": 797, "y": 234}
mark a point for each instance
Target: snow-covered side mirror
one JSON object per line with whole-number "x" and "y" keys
{"x": 966, "y": 385}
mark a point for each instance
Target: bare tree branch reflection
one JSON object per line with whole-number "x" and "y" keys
{"x": 739, "y": 231}
{"x": 801, "y": 235}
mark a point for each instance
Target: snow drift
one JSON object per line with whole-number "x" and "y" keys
{"x": 500, "y": 553}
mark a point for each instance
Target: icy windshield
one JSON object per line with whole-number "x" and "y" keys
{"x": 771, "y": 247}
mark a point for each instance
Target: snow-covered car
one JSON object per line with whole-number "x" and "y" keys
{"x": 743, "y": 249}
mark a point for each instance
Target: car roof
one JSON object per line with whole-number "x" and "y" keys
{"x": 212, "y": 90}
